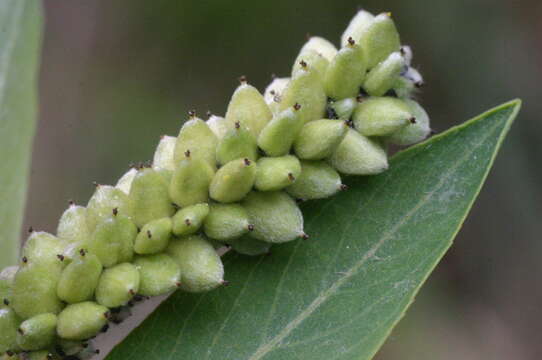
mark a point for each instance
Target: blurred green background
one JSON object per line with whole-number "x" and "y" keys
{"x": 118, "y": 74}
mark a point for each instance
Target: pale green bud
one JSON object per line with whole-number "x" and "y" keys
{"x": 9, "y": 323}
{"x": 71, "y": 347}
{"x": 118, "y": 285}
{"x": 305, "y": 89}
{"x": 219, "y": 125}
{"x": 236, "y": 144}
{"x": 226, "y": 222}
{"x": 381, "y": 116}
{"x": 384, "y": 75}
{"x": 275, "y": 173}
{"x": 275, "y": 216}
{"x": 190, "y": 181}
{"x": 197, "y": 276}
{"x": 346, "y": 72}
{"x": 357, "y": 26}
{"x": 6, "y": 281}
{"x": 413, "y": 133}
{"x": 80, "y": 278}
{"x": 164, "y": 153}
{"x": 403, "y": 87}
{"x": 82, "y": 321}
{"x": 248, "y": 107}
{"x": 233, "y": 181}
{"x": 154, "y": 236}
{"x": 37, "y": 333}
{"x": 321, "y": 46}
{"x": 317, "y": 61}
{"x": 43, "y": 247}
{"x": 195, "y": 136}
{"x": 359, "y": 155}
{"x": 277, "y": 137}
{"x": 113, "y": 240}
{"x": 159, "y": 274}
{"x": 344, "y": 108}
{"x": 248, "y": 246}
{"x": 318, "y": 180}
{"x": 103, "y": 201}
{"x": 34, "y": 289}
{"x": 125, "y": 181}
{"x": 72, "y": 226}
{"x": 150, "y": 197}
{"x": 318, "y": 139}
{"x": 189, "y": 220}
{"x": 379, "y": 39}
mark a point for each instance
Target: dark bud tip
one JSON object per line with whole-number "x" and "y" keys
{"x": 115, "y": 211}
{"x": 243, "y": 79}
{"x": 304, "y": 236}
{"x": 95, "y": 184}
{"x": 247, "y": 162}
{"x": 71, "y": 202}
{"x": 131, "y": 304}
{"x": 25, "y": 259}
{"x": 149, "y": 234}
{"x": 272, "y": 92}
{"x": 419, "y": 84}
{"x": 237, "y": 125}
{"x": 432, "y": 132}
{"x": 82, "y": 252}
{"x": 359, "y": 98}
{"x": 187, "y": 153}
{"x": 6, "y": 302}
{"x": 105, "y": 328}
{"x": 209, "y": 113}
{"x": 412, "y": 120}
{"x": 178, "y": 284}
{"x": 187, "y": 222}
{"x": 351, "y": 41}
{"x": 132, "y": 292}
{"x": 343, "y": 187}
{"x": 225, "y": 283}
{"x": 273, "y": 76}
{"x": 303, "y": 63}
{"x": 10, "y": 353}
{"x": 291, "y": 177}
{"x": 60, "y": 257}
{"x": 97, "y": 351}
{"x": 192, "y": 113}
{"x": 31, "y": 229}
{"x": 297, "y": 106}
{"x": 107, "y": 315}
{"x": 250, "y": 227}
{"x": 20, "y": 331}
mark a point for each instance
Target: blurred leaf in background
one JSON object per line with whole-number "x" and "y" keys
{"x": 20, "y": 40}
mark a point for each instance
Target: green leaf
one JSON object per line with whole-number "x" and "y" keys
{"x": 339, "y": 294}
{"x": 20, "y": 39}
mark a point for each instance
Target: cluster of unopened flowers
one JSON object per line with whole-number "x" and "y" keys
{"x": 231, "y": 180}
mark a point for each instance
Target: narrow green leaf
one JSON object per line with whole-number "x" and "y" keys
{"x": 339, "y": 294}
{"x": 20, "y": 39}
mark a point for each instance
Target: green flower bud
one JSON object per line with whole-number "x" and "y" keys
{"x": 159, "y": 274}
{"x": 6, "y": 281}
{"x": 305, "y": 89}
{"x": 226, "y": 222}
{"x": 246, "y": 245}
{"x": 344, "y": 108}
{"x": 150, "y": 197}
{"x": 277, "y": 137}
{"x": 233, "y": 181}
{"x": 321, "y": 46}
{"x": 379, "y": 39}
{"x": 72, "y": 226}
{"x": 164, "y": 154}
{"x": 381, "y": 116}
{"x": 80, "y": 278}
{"x": 407, "y": 84}
{"x": 317, "y": 60}
{"x": 318, "y": 180}
{"x": 357, "y": 26}
{"x": 412, "y": 133}
{"x": 275, "y": 216}
{"x": 125, "y": 182}
{"x": 236, "y": 144}
{"x": 82, "y": 321}
{"x": 153, "y": 237}
{"x": 358, "y": 155}
{"x": 37, "y": 333}
{"x": 189, "y": 220}
{"x": 346, "y": 72}
{"x": 275, "y": 173}
{"x": 43, "y": 247}
{"x": 384, "y": 75}
{"x": 34, "y": 289}
{"x": 197, "y": 276}
{"x": 71, "y": 347}
{"x": 248, "y": 107}
{"x": 195, "y": 136}
{"x": 113, "y": 240}
{"x": 103, "y": 201}
{"x": 319, "y": 139}
{"x": 118, "y": 285}
{"x": 9, "y": 323}
{"x": 219, "y": 125}
{"x": 190, "y": 181}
